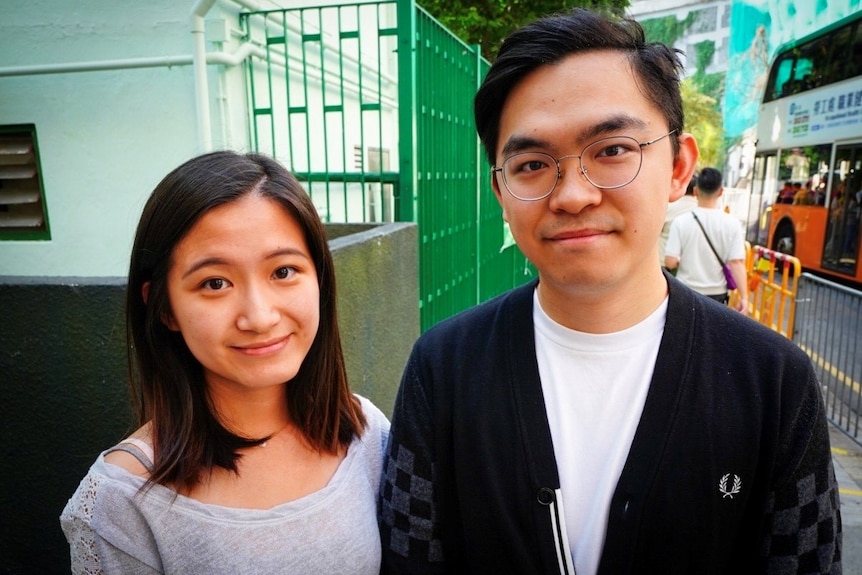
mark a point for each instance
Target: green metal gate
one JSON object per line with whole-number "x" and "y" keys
{"x": 370, "y": 105}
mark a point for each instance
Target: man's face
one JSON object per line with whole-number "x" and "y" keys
{"x": 583, "y": 239}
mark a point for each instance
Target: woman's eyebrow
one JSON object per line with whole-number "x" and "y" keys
{"x": 218, "y": 261}
{"x": 202, "y": 263}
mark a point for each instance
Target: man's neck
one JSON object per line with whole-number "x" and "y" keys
{"x": 710, "y": 202}
{"x": 604, "y": 311}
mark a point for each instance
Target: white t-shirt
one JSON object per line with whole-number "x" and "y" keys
{"x": 698, "y": 267}
{"x": 674, "y": 210}
{"x": 595, "y": 387}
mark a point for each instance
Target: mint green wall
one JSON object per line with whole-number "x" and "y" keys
{"x": 107, "y": 136}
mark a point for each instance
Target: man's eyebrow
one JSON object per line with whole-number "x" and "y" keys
{"x": 517, "y": 144}
{"x": 610, "y": 125}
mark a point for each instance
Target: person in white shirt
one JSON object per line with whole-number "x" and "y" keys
{"x": 688, "y": 247}
{"x": 675, "y": 209}
{"x": 602, "y": 418}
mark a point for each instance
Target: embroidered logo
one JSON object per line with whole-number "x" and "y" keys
{"x": 735, "y": 488}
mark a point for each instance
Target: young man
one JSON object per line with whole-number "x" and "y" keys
{"x": 604, "y": 419}
{"x": 689, "y": 249}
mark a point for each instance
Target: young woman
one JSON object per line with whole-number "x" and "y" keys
{"x": 252, "y": 455}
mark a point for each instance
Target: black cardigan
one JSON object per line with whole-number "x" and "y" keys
{"x": 730, "y": 469}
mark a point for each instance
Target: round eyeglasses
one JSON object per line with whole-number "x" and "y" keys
{"x": 607, "y": 164}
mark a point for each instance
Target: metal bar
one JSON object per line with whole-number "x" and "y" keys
{"x": 829, "y": 334}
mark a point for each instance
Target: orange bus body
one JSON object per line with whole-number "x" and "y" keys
{"x": 810, "y": 225}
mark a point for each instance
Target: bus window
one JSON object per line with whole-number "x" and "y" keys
{"x": 841, "y": 250}
{"x": 782, "y": 74}
{"x": 834, "y": 64}
{"x": 805, "y": 170}
{"x": 798, "y": 72}
{"x": 834, "y": 56}
{"x": 763, "y": 195}
{"x": 854, "y": 52}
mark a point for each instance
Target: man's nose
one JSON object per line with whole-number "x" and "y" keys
{"x": 573, "y": 191}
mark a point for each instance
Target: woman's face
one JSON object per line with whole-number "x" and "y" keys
{"x": 243, "y": 293}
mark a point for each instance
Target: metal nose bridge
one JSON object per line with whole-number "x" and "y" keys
{"x": 581, "y": 170}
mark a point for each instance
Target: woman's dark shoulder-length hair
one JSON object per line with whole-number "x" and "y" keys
{"x": 551, "y": 39}
{"x": 167, "y": 381}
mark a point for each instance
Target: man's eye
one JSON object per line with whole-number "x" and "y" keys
{"x": 528, "y": 165}
{"x": 612, "y": 149}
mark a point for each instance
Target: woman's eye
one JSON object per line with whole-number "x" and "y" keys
{"x": 214, "y": 284}
{"x": 284, "y": 272}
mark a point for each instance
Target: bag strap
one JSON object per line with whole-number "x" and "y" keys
{"x": 712, "y": 247}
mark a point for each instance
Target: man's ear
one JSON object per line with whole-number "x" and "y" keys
{"x": 166, "y": 318}
{"x": 683, "y": 166}
{"x": 499, "y": 195}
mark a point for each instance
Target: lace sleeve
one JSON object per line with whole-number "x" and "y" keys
{"x": 75, "y": 521}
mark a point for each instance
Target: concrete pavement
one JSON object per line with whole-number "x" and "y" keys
{"x": 847, "y": 457}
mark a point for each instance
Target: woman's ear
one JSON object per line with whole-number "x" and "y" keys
{"x": 166, "y": 318}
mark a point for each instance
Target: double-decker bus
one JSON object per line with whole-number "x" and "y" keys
{"x": 807, "y": 175}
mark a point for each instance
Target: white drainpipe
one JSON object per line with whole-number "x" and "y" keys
{"x": 199, "y": 62}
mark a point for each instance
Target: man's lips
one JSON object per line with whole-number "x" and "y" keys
{"x": 577, "y": 234}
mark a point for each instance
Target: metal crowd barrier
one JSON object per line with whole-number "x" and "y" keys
{"x": 773, "y": 280}
{"x": 828, "y": 322}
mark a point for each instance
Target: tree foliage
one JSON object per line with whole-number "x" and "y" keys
{"x": 702, "y": 92}
{"x": 488, "y": 22}
{"x": 667, "y": 29}
{"x": 704, "y": 121}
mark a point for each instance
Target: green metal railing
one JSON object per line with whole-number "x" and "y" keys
{"x": 370, "y": 105}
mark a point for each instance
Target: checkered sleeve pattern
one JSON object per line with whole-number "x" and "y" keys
{"x": 804, "y": 526}
{"x": 408, "y": 515}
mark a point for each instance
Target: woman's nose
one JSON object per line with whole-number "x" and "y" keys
{"x": 258, "y": 312}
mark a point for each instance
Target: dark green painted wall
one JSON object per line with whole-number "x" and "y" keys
{"x": 63, "y": 391}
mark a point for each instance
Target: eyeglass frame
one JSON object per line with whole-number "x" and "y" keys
{"x": 641, "y": 146}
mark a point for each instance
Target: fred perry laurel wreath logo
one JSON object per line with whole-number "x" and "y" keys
{"x": 722, "y": 485}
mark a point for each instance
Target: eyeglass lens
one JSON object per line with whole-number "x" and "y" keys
{"x": 606, "y": 163}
